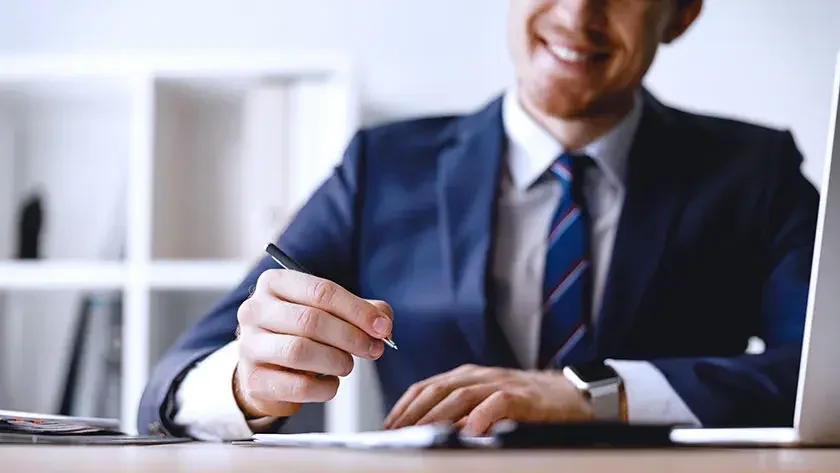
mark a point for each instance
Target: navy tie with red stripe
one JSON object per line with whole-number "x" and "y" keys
{"x": 565, "y": 335}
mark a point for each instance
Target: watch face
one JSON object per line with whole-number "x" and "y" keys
{"x": 594, "y": 371}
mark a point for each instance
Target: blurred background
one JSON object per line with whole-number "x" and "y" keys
{"x": 149, "y": 148}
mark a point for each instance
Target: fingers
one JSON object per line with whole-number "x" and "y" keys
{"x": 257, "y": 408}
{"x": 295, "y": 326}
{"x": 458, "y": 403}
{"x": 499, "y": 405}
{"x": 269, "y": 390}
{"x": 436, "y": 387}
{"x": 312, "y": 291}
{"x": 282, "y": 317}
{"x": 298, "y": 353}
{"x": 461, "y": 423}
{"x": 414, "y": 404}
{"x": 383, "y": 307}
{"x": 420, "y": 399}
{"x": 408, "y": 397}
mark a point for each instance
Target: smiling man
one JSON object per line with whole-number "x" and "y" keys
{"x": 575, "y": 250}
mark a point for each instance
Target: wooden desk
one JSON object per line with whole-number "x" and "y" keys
{"x": 204, "y": 457}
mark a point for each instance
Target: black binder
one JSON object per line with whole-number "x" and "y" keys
{"x": 582, "y": 435}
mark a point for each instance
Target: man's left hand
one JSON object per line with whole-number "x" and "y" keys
{"x": 476, "y": 397}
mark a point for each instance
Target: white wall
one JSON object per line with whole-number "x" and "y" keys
{"x": 770, "y": 61}
{"x": 412, "y": 52}
{"x": 766, "y": 60}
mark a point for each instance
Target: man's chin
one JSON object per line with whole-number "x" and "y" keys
{"x": 566, "y": 104}
{"x": 563, "y": 107}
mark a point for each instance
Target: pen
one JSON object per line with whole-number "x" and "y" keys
{"x": 287, "y": 262}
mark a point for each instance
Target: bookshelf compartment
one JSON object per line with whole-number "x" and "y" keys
{"x": 47, "y": 331}
{"x": 64, "y": 146}
{"x": 235, "y": 157}
{"x": 161, "y": 178}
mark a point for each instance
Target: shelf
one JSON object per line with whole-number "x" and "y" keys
{"x": 197, "y": 275}
{"x": 65, "y": 142}
{"x": 174, "y": 275}
{"x": 161, "y": 176}
{"x": 42, "y": 325}
{"x": 29, "y": 67}
{"x": 52, "y": 275}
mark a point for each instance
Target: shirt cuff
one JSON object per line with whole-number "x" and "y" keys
{"x": 650, "y": 397}
{"x": 205, "y": 405}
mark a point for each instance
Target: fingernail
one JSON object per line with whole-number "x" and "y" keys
{"x": 382, "y": 325}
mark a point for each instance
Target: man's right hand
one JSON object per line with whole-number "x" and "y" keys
{"x": 294, "y": 327}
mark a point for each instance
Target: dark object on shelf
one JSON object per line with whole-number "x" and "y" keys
{"x": 86, "y": 349}
{"x": 68, "y": 397}
{"x": 31, "y": 221}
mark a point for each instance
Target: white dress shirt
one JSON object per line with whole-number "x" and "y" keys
{"x": 528, "y": 198}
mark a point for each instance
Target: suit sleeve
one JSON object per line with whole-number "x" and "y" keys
{"x": 760, "y": 390}
{"x": 322, "y": 236}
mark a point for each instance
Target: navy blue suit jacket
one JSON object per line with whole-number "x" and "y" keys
{"x": 714, "y": 245}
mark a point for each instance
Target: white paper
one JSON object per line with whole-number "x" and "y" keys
{"x": 407, "y": 437}
{"x": 422, "y": 436}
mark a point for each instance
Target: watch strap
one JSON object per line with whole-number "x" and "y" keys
{"x": 606, "y": 401}
{"x": 605, "y": 394}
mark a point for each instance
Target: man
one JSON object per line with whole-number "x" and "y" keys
{"x": 575, "y": 222}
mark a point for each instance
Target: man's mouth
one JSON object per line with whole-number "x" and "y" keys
{"x": 568, "y": 54}
{"x": 576, "y": 55}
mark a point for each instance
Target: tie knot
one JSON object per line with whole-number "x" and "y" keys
{"x": 569, "y": 166}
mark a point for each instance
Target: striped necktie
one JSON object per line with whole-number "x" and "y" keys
{"x": 565, "y": 336}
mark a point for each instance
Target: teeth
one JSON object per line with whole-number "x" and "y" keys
{"x": 567, "y": 54}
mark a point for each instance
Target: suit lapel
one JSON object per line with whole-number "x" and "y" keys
{"x": 655, "y": 183}
{"x": 468, "y": 175}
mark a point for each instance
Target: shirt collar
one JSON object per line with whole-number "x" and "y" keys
{"x": 533, "y": 149}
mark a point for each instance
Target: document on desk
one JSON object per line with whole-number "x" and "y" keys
{"x": 414, "y": 437}
{"x": 33, "y": 428}
{"x": 104, "y": 423}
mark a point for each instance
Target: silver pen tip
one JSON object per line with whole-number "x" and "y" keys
{"x": 390, "y": 343}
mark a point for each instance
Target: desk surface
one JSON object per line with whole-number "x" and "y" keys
{"x": 204, "y": 457}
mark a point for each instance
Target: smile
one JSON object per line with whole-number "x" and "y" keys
{"x": 568, "y": 54}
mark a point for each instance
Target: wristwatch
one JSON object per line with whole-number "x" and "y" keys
{"x": 601, "y": 385}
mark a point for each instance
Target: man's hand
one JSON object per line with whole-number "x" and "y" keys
{"x": 476, "y": 397}
{"x": 297, "y": 337}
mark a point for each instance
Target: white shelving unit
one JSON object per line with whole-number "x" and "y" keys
{"x": 165, "y": 173}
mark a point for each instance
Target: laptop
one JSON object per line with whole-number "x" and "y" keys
{"x": 817, "y": 414}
